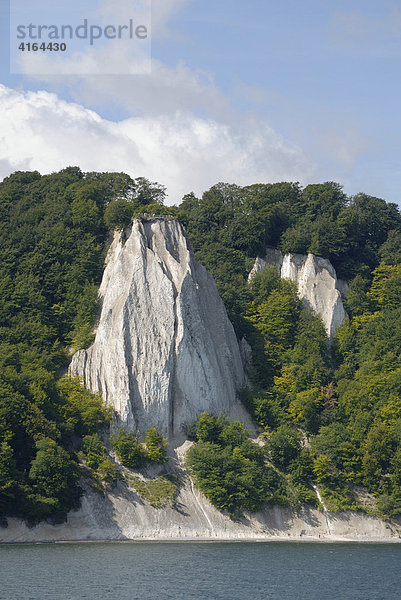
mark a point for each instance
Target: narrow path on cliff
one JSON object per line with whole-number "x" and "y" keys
{"x": 200, "y": 505}
{"x": 325, "y": 511}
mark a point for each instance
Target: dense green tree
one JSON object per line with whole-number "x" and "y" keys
{"x": 345, "y": 396}
{"x": 209, "y": 427}
{"x": 147, "y": 192}
{"x": 8, "y": 478}
{"x": 305, "y": 409}
{"x": 309, "y": 355}
{"x": 323, "y": 199}
{"x": 54, "y": 478}
{"x": 118, "y": 214}
{"x": 390, "y": 251}
{"x": 129, "y": 449}
{"x": 94, "y": 450}
{"x": 276, "y": 321}
{"x": 81, "y": 409}
{"x": 156, "y": 445}
{"x": 357, "y": 300}
{"x": 385, "y": 291}
{"x": 284, "y": 446}
{"x": 232, "y": 473}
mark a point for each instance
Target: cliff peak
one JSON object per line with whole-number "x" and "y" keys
{"x": 316, "y": 280}
{"x": 164, "y": 349}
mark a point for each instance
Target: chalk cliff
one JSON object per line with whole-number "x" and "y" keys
{"x": 164, "y": 349}
{"x": 317, "y": 283}
{"x": 123, "y": 515}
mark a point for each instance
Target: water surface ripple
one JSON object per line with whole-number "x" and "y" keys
{"x": 201, "y": 571}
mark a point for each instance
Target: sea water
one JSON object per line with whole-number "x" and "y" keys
{"x": 210, "y": 571}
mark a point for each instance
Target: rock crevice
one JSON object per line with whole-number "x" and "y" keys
{"x": 164, "y": 349}
{"x": 316, "y": 280}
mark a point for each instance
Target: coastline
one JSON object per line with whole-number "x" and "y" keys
{"x": 122, "y": 516}
{"x": 272, "y": 540}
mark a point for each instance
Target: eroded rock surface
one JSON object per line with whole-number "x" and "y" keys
{"x": 317, "y": 283}
{"x": 164, "y": 349}
{"x": 122, "y": 515}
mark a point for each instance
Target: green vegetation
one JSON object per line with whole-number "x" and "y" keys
{"x": 129, "y": 449}
{"x": 345, "y": 398}
{"x": 330, "y": 414}
{"x": 159, "y": 492}
{"x": 133, "y": 454}
{"x": 53, "y": 241}
{"x": 366, "y": 427}
{"x": 38, "y": 465}
{"x": 156, "y": 446}
{"x": 237, "y": 474}
{"x": 94, "y": 456}
{"x": 53, "y": 479}
{"x": 230, "y": 225}
{"x": 230, "y": 469}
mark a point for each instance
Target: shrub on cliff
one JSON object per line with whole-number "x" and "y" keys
{"x": 84, "y": 411}
{"x": 231, "y": 470}
{"x": 129, "y": 449}
{"x": 156, "y": 446}
{"x": 133, "y": 454}
{"x": 118, "y": 214}
{"x": 54, "y": 476}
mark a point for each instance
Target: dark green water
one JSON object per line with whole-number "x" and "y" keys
{"x": 220, "y": 571}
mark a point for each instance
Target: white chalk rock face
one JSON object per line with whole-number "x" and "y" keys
{"x": 164, "y": 349}
{"x": 316, "y": 280}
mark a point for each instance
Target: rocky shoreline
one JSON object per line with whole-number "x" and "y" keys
{"x": 122, "y": 515}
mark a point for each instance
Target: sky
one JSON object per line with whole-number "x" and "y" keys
{"x": 241, "y": 91}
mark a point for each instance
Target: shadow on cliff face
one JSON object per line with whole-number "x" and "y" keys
{"x": 309, "y": 517}
{"x": 273, "y": 521}
{"x": 278, "y": 520}
{"x": 122, "y": 491}
{"x": 100, "y": 513}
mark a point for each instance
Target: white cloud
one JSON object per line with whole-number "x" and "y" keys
{"x": 120, "y": 73}
{"x": 164, "y": 139}
{"x": 40, "y": 131}
{"x": 164, "y": 90}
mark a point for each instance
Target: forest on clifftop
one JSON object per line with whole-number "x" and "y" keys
{"x": 329, "y": 414}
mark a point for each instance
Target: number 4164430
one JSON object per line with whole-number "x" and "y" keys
{"x": 51, "y": 47}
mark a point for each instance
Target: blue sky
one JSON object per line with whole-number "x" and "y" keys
{"x": 240, "y": 91}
